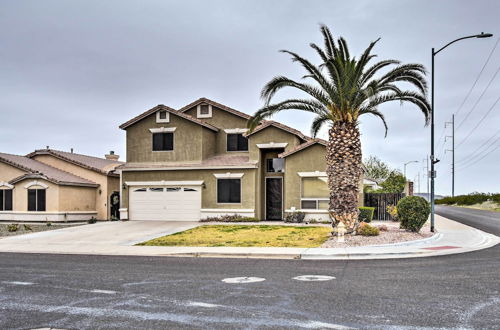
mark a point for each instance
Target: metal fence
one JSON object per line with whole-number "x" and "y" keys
{"x": 380, "y": 203}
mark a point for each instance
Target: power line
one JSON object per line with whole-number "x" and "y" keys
{"x": 477, "y": 78}
{"x": 478, "y": 151}
{"x": 479, "y": 123}
{"x": 485, "y": 151}
{"x": 498, "y": 146}
{"x": 480, "y": 97}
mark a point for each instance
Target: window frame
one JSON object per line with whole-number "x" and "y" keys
{"x": 162, "y": 120}
{"x": 37, "y": 200}
{"x": 153, "y": 142}
{"x": 272, "y": 159}
{"x": 217, "y": 192}
{"x": 200, "y": 115}
{"x": 237, "y": 142}
{"x": 3, "y": 200}
{"x": 315, "y": 199}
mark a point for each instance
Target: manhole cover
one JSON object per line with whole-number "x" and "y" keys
{"x": 243, "y": 279}
{"x": 313, "y": 278}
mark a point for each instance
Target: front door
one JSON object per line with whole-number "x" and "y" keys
{"x": 274, "y": 198}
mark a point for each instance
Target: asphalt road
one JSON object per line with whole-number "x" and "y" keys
{"x": 97, "y": 292}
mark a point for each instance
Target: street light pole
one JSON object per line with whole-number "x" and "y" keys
{"x": 411, "y": 161}
{"x": 432, "y": 156}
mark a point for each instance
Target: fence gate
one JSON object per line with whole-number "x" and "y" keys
{"x": 380, "y": 202}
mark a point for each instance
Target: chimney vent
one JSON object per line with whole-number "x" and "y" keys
{"x": 71, "y": 150}
{"x": 112, "y": 156}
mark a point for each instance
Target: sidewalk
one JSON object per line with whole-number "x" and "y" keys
{"x": 452, "y": 238}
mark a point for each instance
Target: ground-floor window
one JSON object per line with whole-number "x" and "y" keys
{"x": 36, "y": 200}
{"x": 315, "y": 193}
{"x": 229, "y": 191}
{"x": 5, "y": 199}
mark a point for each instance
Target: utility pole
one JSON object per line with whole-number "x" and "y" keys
{"x": 427, "y": 177}
{"x": 452, "y": 123}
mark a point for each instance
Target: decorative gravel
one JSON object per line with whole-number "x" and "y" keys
{"x": 4, "y": 232}
{"x": 393, "y": 235}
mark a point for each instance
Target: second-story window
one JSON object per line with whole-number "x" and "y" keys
{"x": 163, "y": 141}
{"x": 275, "y": 165}
{"x": 237, "y": 142}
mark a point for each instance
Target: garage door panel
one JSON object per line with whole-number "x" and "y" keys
{"x": 180, "y": 203}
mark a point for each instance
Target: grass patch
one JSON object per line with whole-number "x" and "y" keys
{"x": 246, "y": 236}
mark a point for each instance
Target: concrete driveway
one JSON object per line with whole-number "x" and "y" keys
{"x": 100, "y": 238}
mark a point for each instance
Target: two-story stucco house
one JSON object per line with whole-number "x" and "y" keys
{"x": 53, "y": 185}
{"x": 199, "y": 161}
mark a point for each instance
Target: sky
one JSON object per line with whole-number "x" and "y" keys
{"x": 72, "y": 71}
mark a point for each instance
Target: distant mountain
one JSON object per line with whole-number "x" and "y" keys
{"x": 424, "y": 195}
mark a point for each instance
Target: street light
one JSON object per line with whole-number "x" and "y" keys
{"x": 411, "y": 161}
{"x": 432, "y": 159}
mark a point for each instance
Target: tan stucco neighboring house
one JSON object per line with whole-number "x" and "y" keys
{"x": 199, "y": 161}
{"x": 52, "y": 185}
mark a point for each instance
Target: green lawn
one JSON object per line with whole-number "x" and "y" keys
{"x": 246, "y": 235}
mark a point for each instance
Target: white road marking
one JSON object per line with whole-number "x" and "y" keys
{"x": 245, "y": 279}
{"x": 202, "y": 304}
{"x": 309, "y": 278}
{"x": 18, "y": 283}
{"x": 323, "y": 325}
{"x": 103, "y": 291}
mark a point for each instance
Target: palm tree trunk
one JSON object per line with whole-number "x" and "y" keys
{"x": 344, "y": 169}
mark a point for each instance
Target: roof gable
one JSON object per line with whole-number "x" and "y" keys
{"x": 161, "y": 107}
{"x": 36, "y": 169}
{"x": 303, "y": 146}
{"x": 204, "y": 100}
{"x": 268, "y": 123}
{"x": 96, "y": 164}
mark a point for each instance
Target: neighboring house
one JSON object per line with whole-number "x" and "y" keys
{"x": 370, "y": 183}
{"x": 199, "y": 161}
{"x": 52, "y": 185}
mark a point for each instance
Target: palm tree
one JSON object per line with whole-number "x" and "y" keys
{"x": 342, "y": 89}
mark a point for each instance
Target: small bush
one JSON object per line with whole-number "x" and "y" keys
{"x": 393, "y": 212}
{"x": 49, "y": 223}
{"x": 92, "y": 220}
{"x": 413, "y": 212}
{"x": 13, "y": 227}
{"x": 366, "y": 214}
{"x": 295, "y": 217}
{"x": 367, "y": 230}
{"x": 27, "y": 227}
{"x": 230, "y": 218}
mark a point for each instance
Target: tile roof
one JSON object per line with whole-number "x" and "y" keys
{"x": 267, "y": 123}
{"x": 36, "y": 169}
{"x": 215, "y": 104}
{"x": 215, "y": 161}
{"x": 303, "y": 146}
{"x": 100, "y": 165}
{"x": 170, "y": 110}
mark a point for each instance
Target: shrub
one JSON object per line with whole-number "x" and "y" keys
{"x": 470, "y": 199}
{"x": 296, "y": 217}
{"x": 49, "y": 223}
{"x": 92, "y": 220}
{"x": 229, "y": 218}
{"x": 27, "y": 227}
{"x": 366, "y": 213}
{"x": 13, "y": 227}
{"x": 413, "y": 212}
{"x": 367, "y": 230}
{"x": 393, "y": 212}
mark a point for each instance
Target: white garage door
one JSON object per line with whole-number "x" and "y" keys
{"x": 175, "y": 203}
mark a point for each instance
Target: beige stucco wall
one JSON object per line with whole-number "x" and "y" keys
{"x": 308, "y": 160}
{"x": 271, "y": 134}
{"x": 106, "y": 184}
{"x": 72, "y": 198}
{"x": 8, "y": 172}
{"x": 209, "y": 196}
{"x": 187, "y": 141}
{"x": 222, "y": 120}
{"x": 20, "y": 195}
